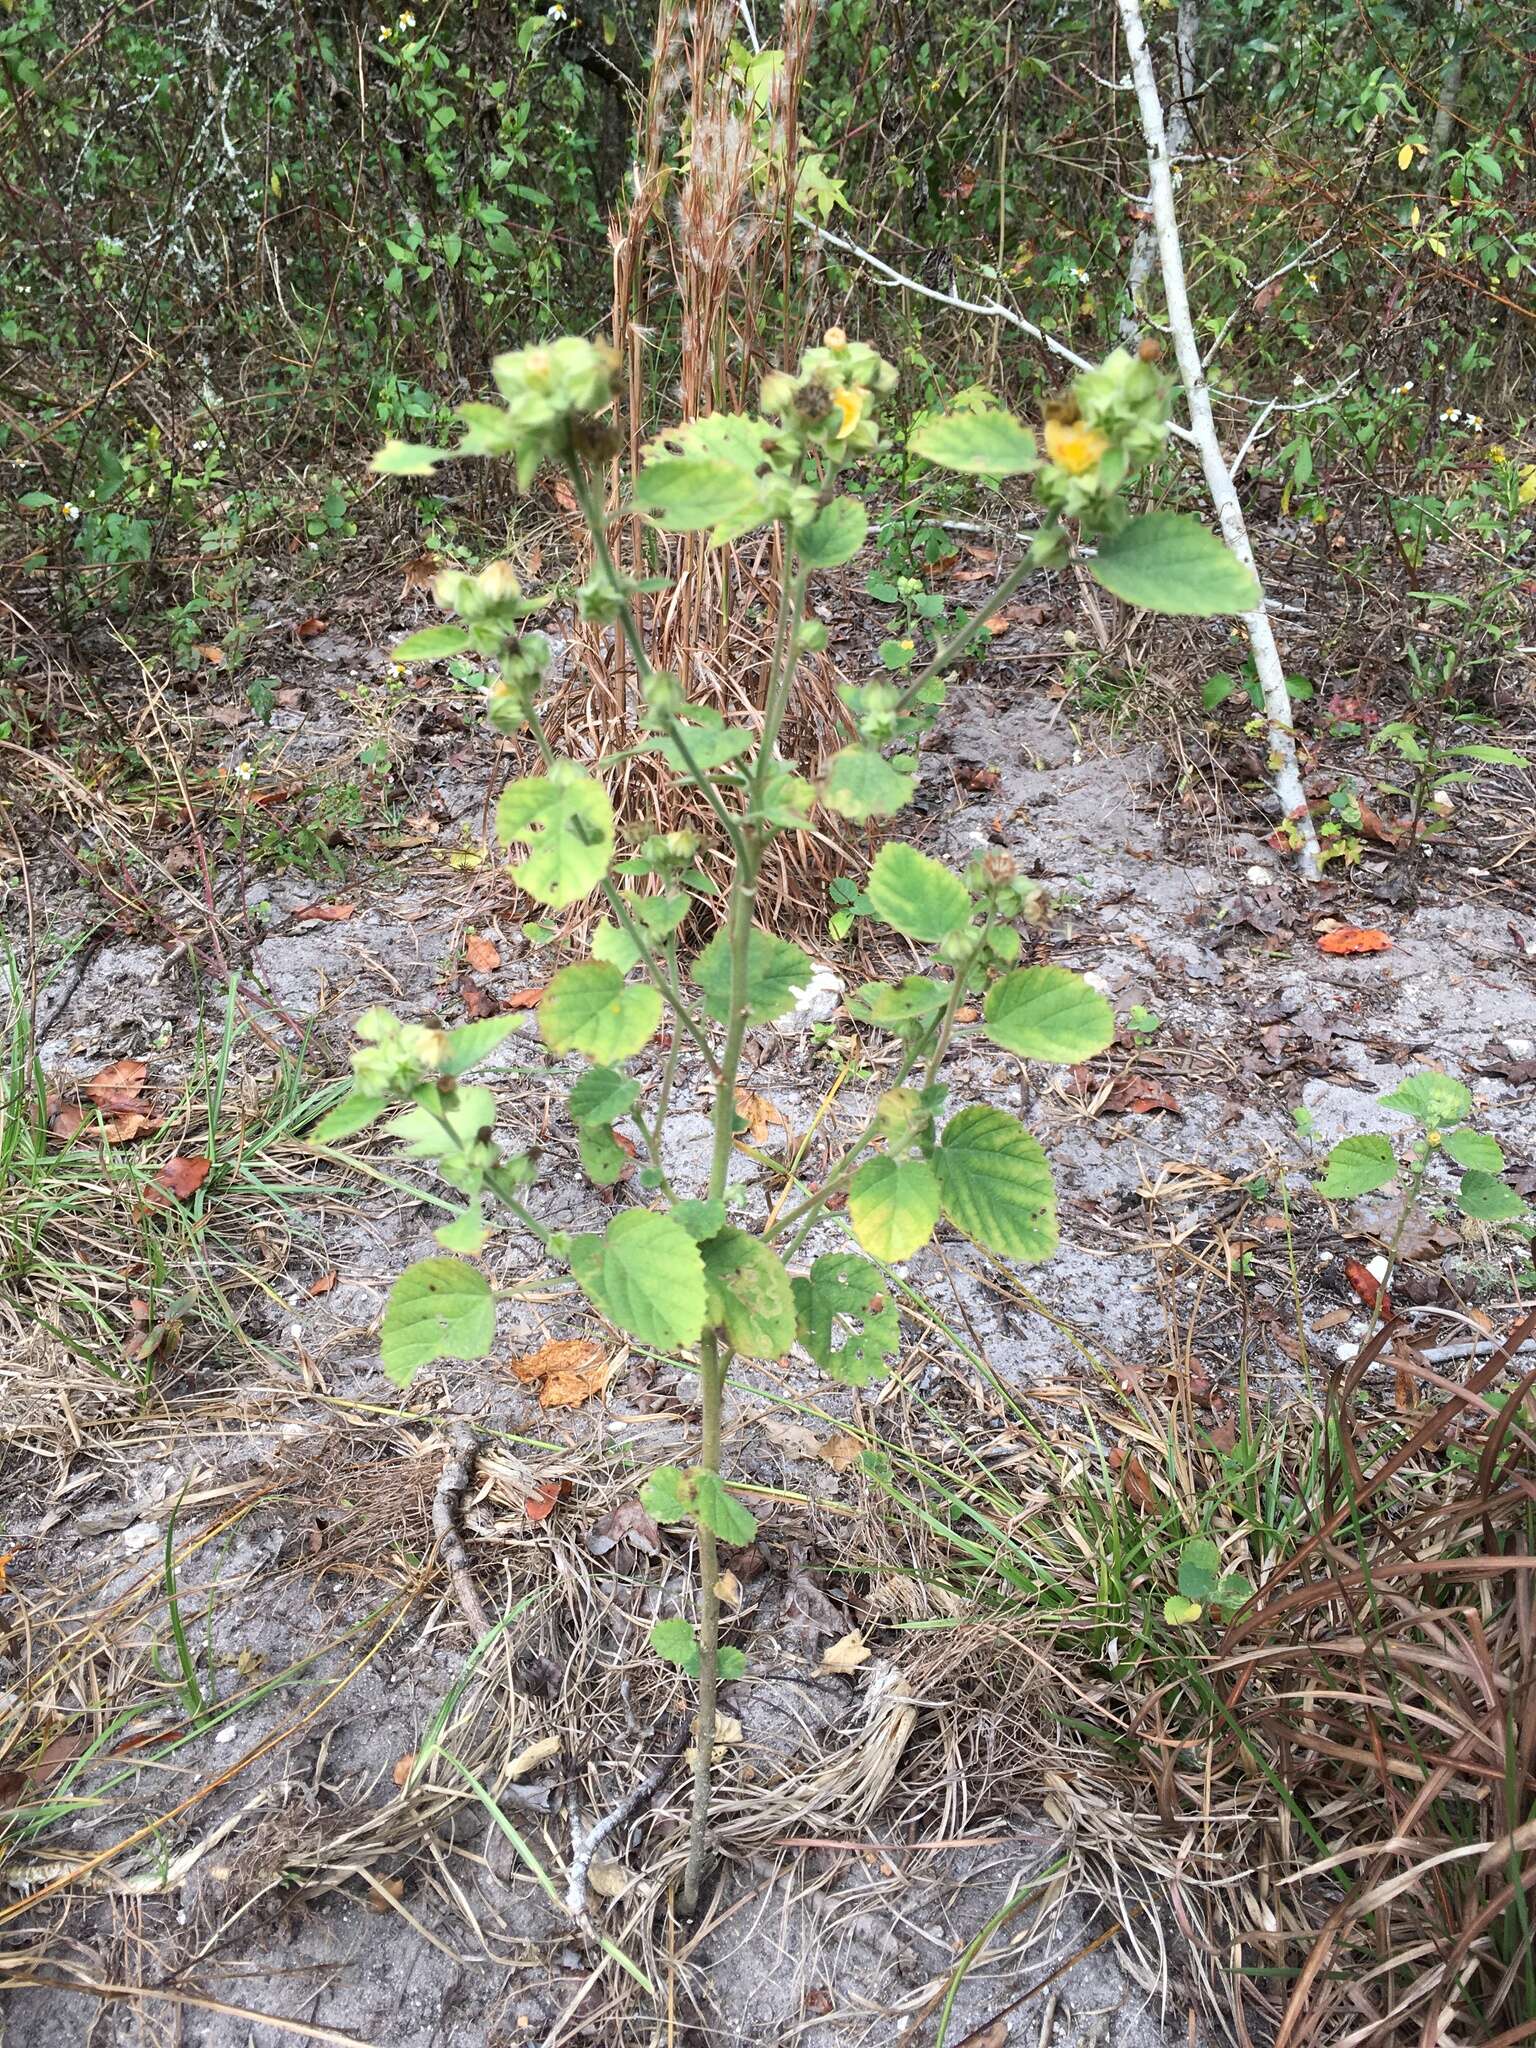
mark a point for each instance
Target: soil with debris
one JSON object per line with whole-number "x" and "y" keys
{"x": 224, "y": 1559}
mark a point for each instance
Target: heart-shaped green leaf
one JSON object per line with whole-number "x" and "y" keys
{"x": 996, "y": 1184}
{"x": 1048, "y": 1013}
{"x": 903, "y": 1008}
{"x": 645, "y": 1274}
{"x": 893, "y": 1205}
{"x": 438, "y": 1308}
{"x": 834, "y": 536}
{"x": 845, "y": 1320}
{"x": 1357, "y": 1166}
{"x": 861, "y": 784}
{"x": 1167, "y": 562}
{"x": 1475, "y": 1149}
{"x": 591, "y": 1009}
{"x": 567, "y": 821}
{"x": 1431, "y": 1098}
{"x": 433, "y": 643}
{"x": 988, "y": 442}
{"x": 1487, "y": 1199}
{"x": 602, "y": 1095}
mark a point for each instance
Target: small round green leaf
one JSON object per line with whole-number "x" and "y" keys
{"x": 602, "y": 1095}
{"x": 996, "y": 1184}
{"x": 893, "y": 1205}
{"x": 591, "y": 1009}
{"x": 902, "y": 1009}
{"x": 567, "y": 822}
{"x": 1048, "y": 1013}
{"x": 1167, "y": 562}
{"x": 438, "y": 1308}
{"x": 916, "y": 896}
{"x": 749, "y": 1294}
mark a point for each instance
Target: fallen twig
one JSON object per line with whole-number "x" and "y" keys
{"x": 585, "y": 1842}
{"x": 458, "y": 1474}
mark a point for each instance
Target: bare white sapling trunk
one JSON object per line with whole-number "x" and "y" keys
{"x": 1218, "y": 476}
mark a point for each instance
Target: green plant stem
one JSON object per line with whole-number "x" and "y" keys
{"x": 960, "y": 639}
{"x": 956, "y": 998}
{"x": 629, "y": 626}
{"x": 712, "y": 1389}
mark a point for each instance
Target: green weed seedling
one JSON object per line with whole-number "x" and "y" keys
{"x": 1441, "y": 1106}
{"x": 674, "y": 1273}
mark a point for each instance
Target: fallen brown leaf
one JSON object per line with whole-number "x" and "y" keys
{"x": 540, "y": 1504}
{"x": 847, "y": 1654}
{"x": 567, "y": 1372}
{"x": 1354, "y": 938}
{"x": 1140, "y": 1094}
{"x": 119, "y": 1085}
{"x": 758, "y": 1114}
{"x": 321, "y": 1286}
{"x": 626, "y": 1525}
{"x": 1368, "y": 1287}
{"x": 535, "y": 1754}
{"x": 482, "y": 954}
{"x": 178, "y": 1180}
{"x": 1134, "y": 1483}
{"x": 214, "y": 656}
{"x": 840, "y": 1452}
{"x": 478, "y": 1004}
{"x": 524, "y": 999}
{"x": 403, "y": 1767}
{"x": 324, "y": 913}
{"x": 311, "y": 628}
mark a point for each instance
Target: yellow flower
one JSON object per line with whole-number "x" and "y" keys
{"x": 850, "y": 401}
{"x": 834, "y": 338}
{"x": 1074, "y": 446}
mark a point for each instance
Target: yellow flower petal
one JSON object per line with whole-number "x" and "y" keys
{"x": 850, "y": 403}
{"x": 1074, "y": 446}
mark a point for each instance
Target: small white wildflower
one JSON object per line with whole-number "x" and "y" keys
{"x": 70, "y": 511}
{"x": 385, "y": 33}
{"x": 1404, "y": 389}
{"x": 1297, "y": 381}
{"x": 244, "y": 772}
{"x": 1475, "y": 422}
{"x": 557, "y": 13}
{"x": 1080, "y": 274}
{"x": 1312, "y": 280}
{"x": 407, "y": 20}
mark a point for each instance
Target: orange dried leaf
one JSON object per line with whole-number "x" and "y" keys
{"x": 118, "y": 1086}
{"x": 567, "y": 1373}
{"x": 324, "y": 913}
{"x": 178, "y": 1180}
{"x": 482, "y": 954}
{"x": 1354, "y": 938}
{"x": 540, "y": 1504}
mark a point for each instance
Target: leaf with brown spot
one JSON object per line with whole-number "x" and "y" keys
{"x": 482, "y": 954}
{"x": 567, "y": 1372}
{"x": 1348, "y": 939}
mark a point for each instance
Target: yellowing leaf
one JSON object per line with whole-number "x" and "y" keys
{"x": 1405, "y": 156}
{"x": 847, "y": 1654}
{"x": 728, "y": 1590}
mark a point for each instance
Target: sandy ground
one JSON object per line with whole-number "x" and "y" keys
{"x": 289, "y": 1865}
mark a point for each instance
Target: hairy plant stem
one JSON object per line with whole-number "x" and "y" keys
{"x": 712, "y": 1366}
